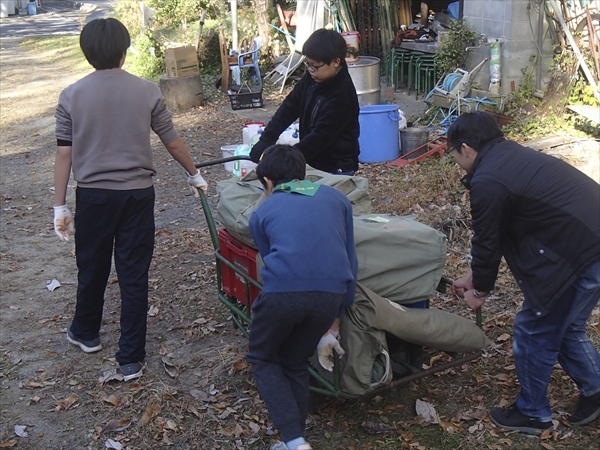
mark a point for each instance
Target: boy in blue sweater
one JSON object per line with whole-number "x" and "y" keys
{"x": 304, "y": 232}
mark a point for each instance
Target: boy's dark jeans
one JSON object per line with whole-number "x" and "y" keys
{"x": 286, "y": 328}
{"x": 123, "y": 220}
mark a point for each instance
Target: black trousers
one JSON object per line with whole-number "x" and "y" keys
{"x": 286, "y": 328}
{"x": 124, "y": 221}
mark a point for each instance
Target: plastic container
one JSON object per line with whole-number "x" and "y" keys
{"x": 290, "y": 136}
{"x": 412, "y": 138}
{"x": 352, "y": 39}
{"x": 379, "y": 139}
{"x": 31, "y": 8}
{"x": 241, "y": 168}
{"x": 227, "y": 151}
{"x": 250, "y": 129}
{"x": 244, "y": 258}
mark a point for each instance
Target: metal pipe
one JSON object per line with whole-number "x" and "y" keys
{"x": 234, "y": 29}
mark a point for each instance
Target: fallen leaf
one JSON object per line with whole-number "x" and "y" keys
{"x": 33, "y": 384}
{"x": 112, "y": 399}
{"x": 546, "y": 434}
{"x": 110, "y": 375}
{"x": 52, "y": 285}
{"x": 254, "y": 427}
{"x": 20, "y": 430}
{"x": 201, "y": 396}
{"x": 408, "y": 436}
{"x": 113, "y": 445}
{"x": 67, "y": 402}
{"x": 8, "y": 444}
{"x": 376, "y": 428}
{"x": 427, "y": 411}
{"x": 478, "y": 414}
{"x": 547, "y": 446}
{"x": 240, "y": 365}
{"x": 153, "y": 311}
{"x": 170, "y": 368}
{"x": 117, "y": 425}
{"x": 567, "y": 435}
{"x": 503, "y": 337}
{"x": 194, "y": 411}
{"x": 166, "y": 439}
{"x": 151, "y": 412}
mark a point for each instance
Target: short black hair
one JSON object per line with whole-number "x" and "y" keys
{"x": 104, "y": 42}
{"x": 324, "y": 46}
{"x": 474, "y": 129}
{"x": 280, "y": 164}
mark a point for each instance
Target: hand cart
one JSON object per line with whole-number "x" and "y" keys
{"x": 239, "y": 299}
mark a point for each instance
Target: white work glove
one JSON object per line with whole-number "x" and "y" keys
{"x": 325, "y": 348}
{"x": 63, "y": 222}
{"x": 197, "y": 182}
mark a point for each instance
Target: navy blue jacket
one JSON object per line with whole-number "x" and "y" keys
{"x": 540, "y": 213}
{"x": 306, "y": 243}
{"x": 328, "y": 118}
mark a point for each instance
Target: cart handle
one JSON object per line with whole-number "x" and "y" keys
{"x": 445, "y": 281}
{"x": 213, "y": 162}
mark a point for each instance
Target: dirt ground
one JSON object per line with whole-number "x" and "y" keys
{"x": 197, "y": 391}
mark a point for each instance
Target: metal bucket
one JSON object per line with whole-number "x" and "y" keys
{"x": 365, "y": 74}
{"x": 412, "y": 138}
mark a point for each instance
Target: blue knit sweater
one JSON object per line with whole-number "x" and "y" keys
{"x": 306, "y": 243}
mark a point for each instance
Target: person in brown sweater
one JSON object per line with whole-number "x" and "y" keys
{"x": 103, "y": 124}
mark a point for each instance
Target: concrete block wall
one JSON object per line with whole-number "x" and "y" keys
{"x": 517, "y": 22}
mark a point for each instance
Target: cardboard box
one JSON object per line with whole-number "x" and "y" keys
{"x": 181, "y": 62}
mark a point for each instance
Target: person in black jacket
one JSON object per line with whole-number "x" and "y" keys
{"x": 543, "y": 216}
{"x": 326, "y": 104}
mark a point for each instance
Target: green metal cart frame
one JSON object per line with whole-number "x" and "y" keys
{"x": 242, "y": 316}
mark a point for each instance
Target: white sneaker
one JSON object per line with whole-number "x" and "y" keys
{"x": 305, "y": 447}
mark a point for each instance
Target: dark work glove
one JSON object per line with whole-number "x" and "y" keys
{"x": 257, "y": 151}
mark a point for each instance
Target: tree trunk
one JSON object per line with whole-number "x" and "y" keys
{"x": 262, "y": 19}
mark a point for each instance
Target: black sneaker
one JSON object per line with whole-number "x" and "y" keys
{"x": 132, "y": 370}
{"x": 588, "y": 409}
{"x": 512, "y": 419}
{"x": 91, "y": 346}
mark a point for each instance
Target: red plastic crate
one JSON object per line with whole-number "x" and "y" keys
{"x": 244, "y": 258}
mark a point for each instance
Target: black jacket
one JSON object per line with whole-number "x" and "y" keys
{"x": 328, "y": 116}
{"x": 540, "y": 213}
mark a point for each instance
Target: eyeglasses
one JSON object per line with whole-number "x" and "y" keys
{"x": 312, "y": 68}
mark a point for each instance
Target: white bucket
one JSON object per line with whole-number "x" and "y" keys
{"x": 228, "y": 150}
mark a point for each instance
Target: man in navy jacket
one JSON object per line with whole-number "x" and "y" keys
{"x": 543, "y": 216}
